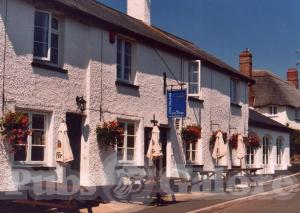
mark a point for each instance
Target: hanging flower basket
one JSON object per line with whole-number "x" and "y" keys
{"x": 233, "y": 141}
{"x": 110, "y": 134}
{"x": 214, "y": 137}
{"x": 191, "y": 133}
{"x": 14, "y": 127}
{"x": 253, "y": 140}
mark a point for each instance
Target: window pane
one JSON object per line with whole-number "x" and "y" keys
{"x": 40, "y": 50}
{"x": 37, "y": 153}
{"x": 54, "y": 40}
{"x": 130, "y": 141}
{"x": 127, "y": 48}
{"x": 188, "y": 156}
{"x": 54, "y": 24}
{"x": 38, "y": 121}
{"x": 119, "y": 58}
{"x": 38, "y": 137}
{"x": 120, "y": 153}
{"x": 127, "y": 61}
{"x": 194, "y": 146}
{"x": 270, "y": 111}
{"x": 275, "y": 110}
{"x": 193, "y": 156}
{"x": 41, "y": 19}
{"x": 193, "y": 88}
{"x": 119, "y": 72}
{"x": 130, "y": 154}
{"x": 41, "y": 35}
{"x": 194, "y": 77}
{"x": 130, "y": 129}
{"x": 127, "y": 73}
{"x": 119, "y": 45}
{"x": 54, "y": 56}
{"x": 20, "y": 154}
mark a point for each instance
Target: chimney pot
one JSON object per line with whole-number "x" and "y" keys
{"x": 292, "y": 77}
{"x": 140, "y": 9}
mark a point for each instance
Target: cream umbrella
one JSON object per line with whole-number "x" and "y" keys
{"x": 63, "y": 149}
{"x": 220, "y": 150}
{"x": 241, "y": 151}
{"x": 154, "y": 150}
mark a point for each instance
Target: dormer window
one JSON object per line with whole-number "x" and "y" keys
{"x": 272, "y": 110}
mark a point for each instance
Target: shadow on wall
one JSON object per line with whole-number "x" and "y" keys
{"x": 196, "y": 110}
{"x": 177, "y": 159}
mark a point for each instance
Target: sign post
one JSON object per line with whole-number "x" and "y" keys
{"x": 176, "y": 101}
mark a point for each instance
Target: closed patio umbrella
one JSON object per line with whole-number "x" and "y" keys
{"x": 154, "y": 151}
{"x": 63, "y": 149}
{"x": 220, "y": 150}
{"x": 241, "y": 150}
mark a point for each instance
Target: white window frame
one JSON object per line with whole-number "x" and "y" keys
{"x": 28, "y": 160}
{"x": 235, "y": 92}
{"x": 122, "y": 65}
{"x": 199, "y": 78}
{"x": 50, "y": 31}
{"x": 250, "y": 156}
{"x": 266, "y": 150}
{"x": 189, "y": 149}
{"x": 271, "y": 110}
{"x": 125, "y": 148}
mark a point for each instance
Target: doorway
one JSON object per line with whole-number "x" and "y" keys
{"x": 74, "y": 124}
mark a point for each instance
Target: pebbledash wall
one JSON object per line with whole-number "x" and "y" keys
{"x": 272, "y": 162}
{"x": 42, "y": 90}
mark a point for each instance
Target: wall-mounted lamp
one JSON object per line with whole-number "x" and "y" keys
{"x": 81, "y": 103}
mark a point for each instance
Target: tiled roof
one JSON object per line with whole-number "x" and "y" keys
{"x": 126, "y": 24}
{"x": 258, "y": 120}
{"x": 270, "y": 89}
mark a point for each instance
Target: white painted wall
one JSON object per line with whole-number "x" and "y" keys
{"x": 258, "y": 161}
{"x": 43, "y": 90}
{"x": 285, "y": 116}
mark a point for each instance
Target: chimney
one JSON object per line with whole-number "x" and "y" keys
{"x": 292, "y": 77}
{"x": 246, "y": 69}
{"x": 246, "y": 63}
{"x": 140, "y": 9}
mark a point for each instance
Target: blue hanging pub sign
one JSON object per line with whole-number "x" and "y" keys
{"x": 176, "y": 103}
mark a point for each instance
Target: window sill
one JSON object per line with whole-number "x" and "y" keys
{"x": 36, "y": 167}
{"x": 124, "y": 166}
{"x": 45, "y": 65}
{"x": 195, "y": 99}
{"x": 235, "y": 105}
{"x": 126, "y": 84}
{"x": 196, "y": 167}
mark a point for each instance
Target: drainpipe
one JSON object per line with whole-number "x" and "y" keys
{"x": 4, "y": 55}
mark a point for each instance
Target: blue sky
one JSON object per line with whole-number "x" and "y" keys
{"x": 269, "y": 28}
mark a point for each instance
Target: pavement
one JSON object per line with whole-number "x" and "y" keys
{"x": 285, "y": 191}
